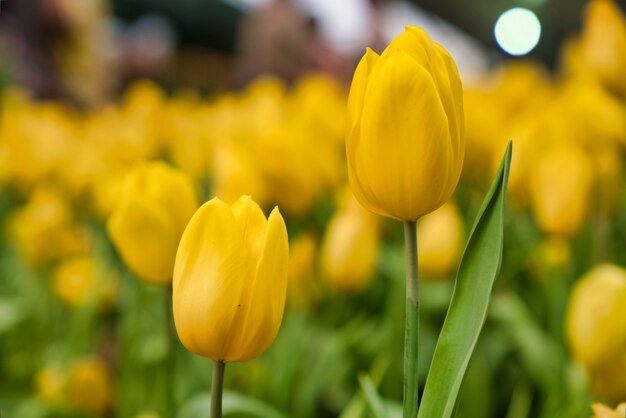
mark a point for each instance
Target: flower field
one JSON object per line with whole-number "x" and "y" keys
{"x": 124, "y": 229}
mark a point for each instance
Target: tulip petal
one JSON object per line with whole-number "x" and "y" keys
{"x": 358, "y": 87}
{"x": 456, "y": 108}
{"x": 403, "y": 154}
{"x": 369, "y": 201}
{"x": 262, "y": 315}
{"x": 253, "y": 224}
{"x": 212, "y": 266}
{"x": 146, "y": 239}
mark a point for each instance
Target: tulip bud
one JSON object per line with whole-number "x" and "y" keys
{"x": 441, "y": 237}
{"x": 230, "y": 280}
{"x": 405, "y": 142}
{"x": 350, "y": 248}
{"x": 156, "y": 203}
{"x": 560, "y": 189}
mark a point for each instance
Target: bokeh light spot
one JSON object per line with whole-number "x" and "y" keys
{"x": 518, "y": 31}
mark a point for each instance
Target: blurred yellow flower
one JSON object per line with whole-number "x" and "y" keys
{"x": 230, "y": 280}
{"x": 236, "y": 172}
{"x": 561, "y": 182}
{"x": 89, "y": 386}
{"x": 607, "y": 380}
{"x": 602, "y": 411}
{"x": 148, "y": 415}
{"x": 405, "y": 141}
{"x": 47, "y": 217}
{"x": 156, "y": 203}
{"x": 303, "y": 287}
{"x": 50, "y": 384}
{"x": 596, "y": 329}
{"x": 440, "y": 239}
{"x": 350, "y": 247}
{"x": 595, "y": 324}
{"x": 554, "y": 252}
{"x": 603, "y": 44}
{"x": 609, "y": 180}
{"x": 77, "y": 281}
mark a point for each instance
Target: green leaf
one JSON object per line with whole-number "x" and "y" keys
{"x": 233, "y": 404}
{"x": 468, "y": 308}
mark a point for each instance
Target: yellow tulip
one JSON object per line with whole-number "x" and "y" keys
{"x": 89, "y": 386}
{"x": 405, "y": 142}
{"x": 441, "y": 238}
{"x": 350, "y": 248}
{"x": 560, "y": 189}
{"x": 230, "y": 280}
{"x": 156, "y": 203}
{"x": 602, "y": 411}
{"x": 603, "y": 44}
{"x": 596, "y": 325}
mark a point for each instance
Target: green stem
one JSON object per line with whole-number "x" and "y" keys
{"x": 172, "y": 341}
{"x": 411, "y": 323}
{"x": 216, "y": 389}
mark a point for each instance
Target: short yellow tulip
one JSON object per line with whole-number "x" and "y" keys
{"x": 230, "y": 280}
{"x": 405, "y": 141}
{"x": 156, "y": 203}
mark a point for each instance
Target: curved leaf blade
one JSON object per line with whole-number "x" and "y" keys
{"x": 470, "y": 301}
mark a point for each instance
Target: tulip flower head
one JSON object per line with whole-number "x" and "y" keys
{"x": 230, "y": 280}
{"x": 405, "y": 142}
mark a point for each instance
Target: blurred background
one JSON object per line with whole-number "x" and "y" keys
{"x": 100, "y": 100}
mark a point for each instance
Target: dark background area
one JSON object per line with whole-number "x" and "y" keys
{"x": 212, "y": 23}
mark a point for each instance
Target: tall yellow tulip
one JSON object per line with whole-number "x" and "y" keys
{"x": 156, "y": 203}
{"x": 405, "y": 145}
{"x": 405, "y": 141}
{"x": 230, "y": 280}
